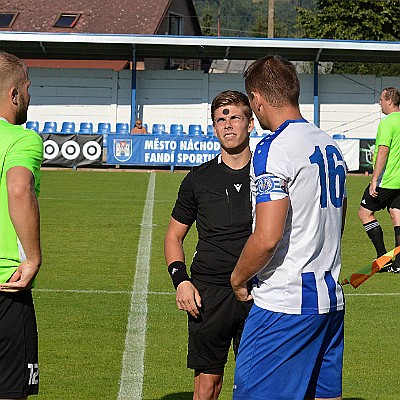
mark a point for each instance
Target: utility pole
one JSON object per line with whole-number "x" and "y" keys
{"x": 219, "y": 18}
{"x": 271, "y": 12}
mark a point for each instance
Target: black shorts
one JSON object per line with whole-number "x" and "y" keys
{"x": 19, "y": 373}
{"x": 387, "y": 198}
{"x": 220, "y": 323}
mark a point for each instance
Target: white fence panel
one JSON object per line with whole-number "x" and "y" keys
{"x": 348, "y": 104}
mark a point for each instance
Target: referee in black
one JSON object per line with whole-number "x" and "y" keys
{"x": 215, "y": 196}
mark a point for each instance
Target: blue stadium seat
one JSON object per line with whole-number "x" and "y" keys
{"x": 145, "y": 126}
{"x": 50, "y": 127}
{"x": 253, "y": 133}
{"x": 195, "y": 129}
{"x": 339, "y": 136}
{"x": 86, "y": 127}
{"x": 33, "y": 125}
{"x": 104, "y": 127}
{"x": 210, "y": 130}
{"x": 68, "y": 127}
{"x": 122, "y": 128}
{"x": 176, "y": 129}
{"x": 158, "y": 129}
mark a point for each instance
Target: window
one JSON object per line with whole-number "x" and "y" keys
{"x": 7, "y": 19}
{"x": 175, "y": 25}
{"x": 66, "y": 20}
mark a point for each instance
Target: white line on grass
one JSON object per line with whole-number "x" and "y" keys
{"x": 131, "y": 383}
{"x": 371, "y": 294}
{"x": 171, "y": 293}
{"x": 94, "y": 291}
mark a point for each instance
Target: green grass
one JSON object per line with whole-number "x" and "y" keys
{"x": 91, "y": 224}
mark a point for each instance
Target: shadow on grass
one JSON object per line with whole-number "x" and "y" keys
{"x": 354, "y": 398}
{"x": 186, "y": 396}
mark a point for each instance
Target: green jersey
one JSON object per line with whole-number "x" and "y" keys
{"x": 389, "y": 135}
{"x": 19, "y": 147}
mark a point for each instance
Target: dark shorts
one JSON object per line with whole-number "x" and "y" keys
{"x": 219, "y": 325}
{"x": 387, "y": 198}
{"x": 19, "y": 373}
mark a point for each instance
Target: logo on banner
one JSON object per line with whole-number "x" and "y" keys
{"x": 122, "y": 149}
{"x": 71, "y": 150}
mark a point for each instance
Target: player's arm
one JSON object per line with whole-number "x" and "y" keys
{"x": 379, "y": 166}
{"x": 187, "y": 296}
{"x": 24, "y": 213}
{"x": 261, "y": 245}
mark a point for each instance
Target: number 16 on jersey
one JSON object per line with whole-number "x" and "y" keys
{"x": 332, "y": 175}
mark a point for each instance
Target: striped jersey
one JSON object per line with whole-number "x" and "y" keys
{"x": 301, "y": 162}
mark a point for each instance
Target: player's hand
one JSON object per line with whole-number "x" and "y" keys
{"x": 188, "y": 298}
{"x": 373, "y": 189}
{"x": 22, "y": 278}
{"x": 242, "y": 292}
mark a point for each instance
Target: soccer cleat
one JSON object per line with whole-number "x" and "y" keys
{"x": 393, "y": 269}
{"x": 386, "y": 267}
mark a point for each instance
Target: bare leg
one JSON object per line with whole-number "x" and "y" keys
{"x": 365, "y": 215}
{"x": 207, "y": 386}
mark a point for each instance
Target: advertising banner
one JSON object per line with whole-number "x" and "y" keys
{"x": 350, "y": 149}
{"x": 72, "y": 150}
{"x": 161, "y": 150}
{"x": 367, "y": 147}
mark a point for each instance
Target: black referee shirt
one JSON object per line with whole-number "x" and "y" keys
{"x": 218, "y": 199}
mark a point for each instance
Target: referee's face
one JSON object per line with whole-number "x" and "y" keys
{"x": 232, "y": 128}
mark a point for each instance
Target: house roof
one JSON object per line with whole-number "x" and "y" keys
{"x": 97, "y": 16}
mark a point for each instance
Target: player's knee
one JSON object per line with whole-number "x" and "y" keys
{"x": 364, "y": 214}
{"x": 209, "y": 387}
{"x": 395, "y": 216}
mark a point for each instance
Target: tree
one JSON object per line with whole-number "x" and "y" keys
{"x": 377, "y": 20}
{"x": 239, "y": 17}
{"x": 206, "y": 21}
{"x": 260, "y": 27}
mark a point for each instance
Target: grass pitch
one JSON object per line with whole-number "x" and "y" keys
{"x": 91, "y": 223}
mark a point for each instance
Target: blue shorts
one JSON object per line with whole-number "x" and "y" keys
{"x": 288, "y": 357}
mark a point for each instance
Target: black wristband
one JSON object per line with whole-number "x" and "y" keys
{"x": 177, "y": 270}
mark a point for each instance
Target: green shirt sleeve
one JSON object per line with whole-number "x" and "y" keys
{"x": 27, "y": 152}
{"x": 385, "y": 133}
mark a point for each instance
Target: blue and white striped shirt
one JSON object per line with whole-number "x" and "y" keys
{"x": 302, "y": 162}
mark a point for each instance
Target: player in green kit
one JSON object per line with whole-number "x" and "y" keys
{"x": 21, "y": 154}
{"x": 384, "y": 189}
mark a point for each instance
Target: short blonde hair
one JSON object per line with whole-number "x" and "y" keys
{"x": 13, "y": 72}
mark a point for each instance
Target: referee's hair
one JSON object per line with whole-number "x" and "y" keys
{"x": 232, "y": 97}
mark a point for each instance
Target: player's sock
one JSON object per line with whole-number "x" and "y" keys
{"x": 375, "y": 233}
{"x": 396, "y": 263}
